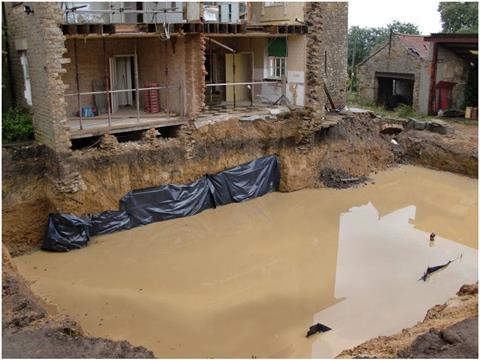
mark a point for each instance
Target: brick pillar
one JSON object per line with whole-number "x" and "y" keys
{"x": 315, "y": 75}
{"x": 315, "y": 96}
{"x": 195, "y": 74}
{"x": 335, "y": 30}
{"x": 48, "y": 88}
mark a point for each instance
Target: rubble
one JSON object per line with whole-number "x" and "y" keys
{"x": 437, "y": 126}
{"x": 150, "y": 136}
{"x": 435, "y": 337}
{"x": 108, "y": 143}
{"x": 340, "y": 179}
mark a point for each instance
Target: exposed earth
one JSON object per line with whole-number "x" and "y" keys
{"x": 347, "y": 151}
{"x": 449, "y": 330}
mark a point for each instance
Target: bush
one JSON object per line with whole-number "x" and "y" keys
{"x": 16, "y": 125}
{"x": 404, "y": 111}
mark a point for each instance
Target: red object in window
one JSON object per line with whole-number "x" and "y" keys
{"x": 444, "y": 95}
{"x": 151, "y": 99}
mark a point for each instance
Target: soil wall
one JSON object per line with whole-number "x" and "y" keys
{"x": 36, "y": 182}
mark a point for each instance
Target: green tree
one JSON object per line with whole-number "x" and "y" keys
{"x": 403, "y": 28}
{"x": 459, "y": 17}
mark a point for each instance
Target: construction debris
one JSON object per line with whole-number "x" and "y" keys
{"x": 340, "y": 179}
{"x": 317, "y": 328}
{"x": 437, "y": 126}
{"x": 433, "y": 269}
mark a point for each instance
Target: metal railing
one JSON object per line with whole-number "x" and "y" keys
{"x": 249, "y": 84}
{"x": 71, "y": 14}
{"x": 108, "y": 93}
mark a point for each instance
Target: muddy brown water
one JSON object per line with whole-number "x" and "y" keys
{"x": 249, "y": 279}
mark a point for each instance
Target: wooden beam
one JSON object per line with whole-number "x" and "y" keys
{"x": 83, "y": 29}
{"x": 71, "y": 30}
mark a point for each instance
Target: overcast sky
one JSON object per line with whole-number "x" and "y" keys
{"x": 371, "y": 13}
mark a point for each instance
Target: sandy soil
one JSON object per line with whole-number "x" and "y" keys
{"x": 30, "y": 331}
{"x": 456, "y": 153}
{"x": 354, "y": 146}
{"x": 449, "y": 330}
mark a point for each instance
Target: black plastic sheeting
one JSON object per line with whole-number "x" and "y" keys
{"x": 246, "y": 181}
{"x": 167, "y": 202}
{"x": 140, "y": 207}
{"x": 110, "y": 221}
{"x": 66, "y": 232}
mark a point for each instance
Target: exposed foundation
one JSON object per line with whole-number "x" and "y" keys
{"x": 36, "y": 183}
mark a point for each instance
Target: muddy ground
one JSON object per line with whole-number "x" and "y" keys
{"x": 36, "y": 183}
{"x": 30, "y": 331}
{"x": 449, "y": 330}
{"x": 456, "y": 153}
{"x": 94, "y": 180}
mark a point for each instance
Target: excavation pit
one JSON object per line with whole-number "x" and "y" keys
{"x": 249, "y": 279}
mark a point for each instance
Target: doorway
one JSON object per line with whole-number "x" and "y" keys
{"x": 238, "y": 69}
{"x": 122, "y": 77}
{"x": 394, "y": 89}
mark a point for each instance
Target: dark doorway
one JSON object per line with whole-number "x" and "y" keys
{"x": 394, "y": 89}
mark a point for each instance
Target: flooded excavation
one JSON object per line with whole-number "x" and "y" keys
{"x": 249, "y": 279}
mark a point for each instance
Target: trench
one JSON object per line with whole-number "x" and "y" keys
{"x": 248, "y": 279}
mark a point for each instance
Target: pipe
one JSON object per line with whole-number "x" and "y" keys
{"x": 77, "y": 77}
{"x": 137, "y": 93}
{"x": 122, "y": 90}
{"x": 222, "y": 45}
{"x": 234, "y": 88}
{"x": 107, "y": 84}
{"x": 166, "y": 78}
{"x": 244, "y": 83}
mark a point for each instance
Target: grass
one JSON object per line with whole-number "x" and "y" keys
{"x": 400, "y": 112}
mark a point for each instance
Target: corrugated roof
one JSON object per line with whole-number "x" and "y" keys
{"x": 416, "y": 43}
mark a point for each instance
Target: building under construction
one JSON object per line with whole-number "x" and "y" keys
{"x": 87, "y": 69}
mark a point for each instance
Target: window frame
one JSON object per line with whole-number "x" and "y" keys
{"x": 273, "y": 3}
{"x": 277, "y": 67}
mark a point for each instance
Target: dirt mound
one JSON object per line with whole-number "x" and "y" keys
{"x": 59, "y": 342}
{"x": 340, "y": 179}
{"x": 457, "y": 341}
{"x": 455, "y": 152}
{"x": 448, "y": 330}
{"x": 29, "y": 331}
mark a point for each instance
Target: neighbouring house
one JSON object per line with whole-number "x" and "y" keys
{"x": 429, "y": 73}
{"x": 90, "y": 68}
{"x": 454, "y": 71}
{"x": 396, "y": 72}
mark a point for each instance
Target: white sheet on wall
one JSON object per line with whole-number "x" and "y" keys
{"x": 271, "y": 92}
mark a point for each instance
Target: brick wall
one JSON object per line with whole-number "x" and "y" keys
{"x": 194, "y": 74}
{"x": 43, "y": 40}
{"x": 52, "y": 67}
{"x": 158, "y": 61}
{"x": 335, "y": 30}
{"x": 17, "y": 29}
{"x": 315, "y": 70}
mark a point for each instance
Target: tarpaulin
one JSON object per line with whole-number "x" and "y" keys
{"x": 246, "y": 181}
{"x": 167, "y": 202}
{"x": 140, "y": 207}
{"x": 110, "y": 221}
{"x": 66, "y": 232}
